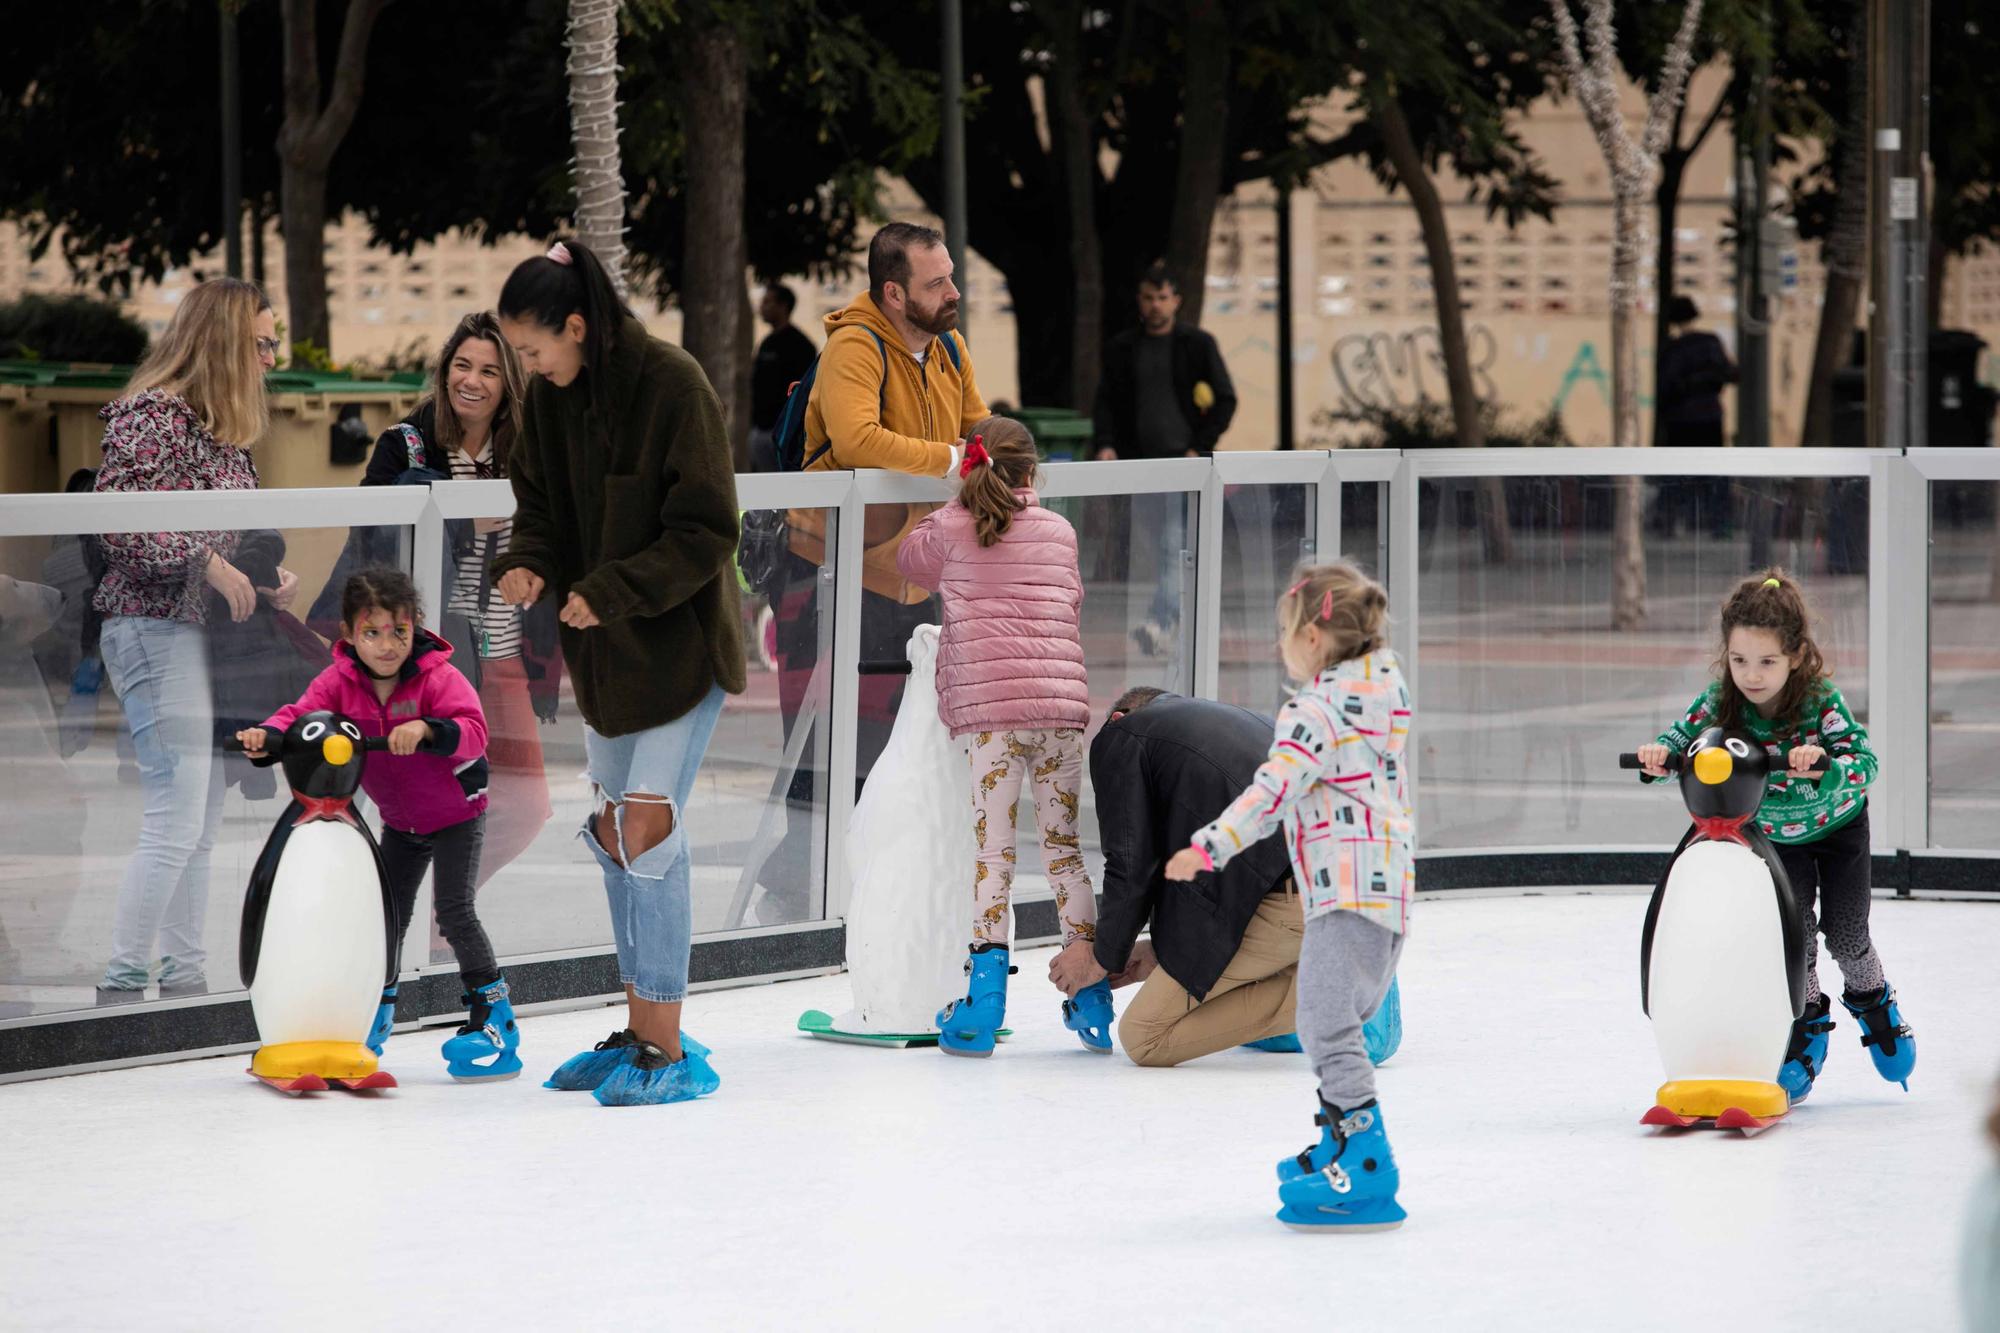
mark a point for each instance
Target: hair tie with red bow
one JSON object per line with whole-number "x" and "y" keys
{"x": 975, "y": 456}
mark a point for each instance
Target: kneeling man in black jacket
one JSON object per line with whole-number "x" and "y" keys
{"x": 1222, "y": 967}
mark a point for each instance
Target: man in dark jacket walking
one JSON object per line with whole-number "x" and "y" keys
{"x": 1164, "y": 393}
{"x": 1694, "y": 368}
{"x": 1222, "y": 967}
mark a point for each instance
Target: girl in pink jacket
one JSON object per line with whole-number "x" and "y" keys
{"x": 1010, "y": 677}
{"x": 391, "y": 677}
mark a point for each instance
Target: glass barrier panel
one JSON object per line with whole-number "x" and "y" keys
{"x": 1267, "y": 532}
{"x": 758, "y": 812}
{"x": 131, "y": 836}
{"x": 1536, "y": 674}
{"x": 1364, "y": 527}
{"x": 1965, "y": 665}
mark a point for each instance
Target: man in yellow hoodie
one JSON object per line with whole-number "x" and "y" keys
{"x": 895, "y": 390}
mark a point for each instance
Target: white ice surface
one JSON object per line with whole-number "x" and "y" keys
{"x": 830, "y": 1186}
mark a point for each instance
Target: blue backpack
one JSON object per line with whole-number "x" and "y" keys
{"x": 788, "y": 437}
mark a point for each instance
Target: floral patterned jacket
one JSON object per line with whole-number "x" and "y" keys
{"x": 153, "y": 441}
{"x": 1335, "y": 779}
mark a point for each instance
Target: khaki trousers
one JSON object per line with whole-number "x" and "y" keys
{"x": 1255, "y": 997}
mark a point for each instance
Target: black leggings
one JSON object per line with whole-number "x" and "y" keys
{"x": 455, "y": 852}
{"x": 1835, "y": 869}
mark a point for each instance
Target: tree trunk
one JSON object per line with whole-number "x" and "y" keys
{"x": 1467, "y": 415}
{"x": 257, "y": 220}
{"x": 1667, "y": 202}
{"x": 1845, "y": 251}
{"x": 746, "y": 360}
{"x": 1204, "y": 138}
{"x": 1628, "y": 538}
{"x": 715, "y": 78}
{"x": 308, "y": 137}
{"x": 302, "y": 215}
{"x": 1076, "y": 149}
{"x": 598, "y": 176}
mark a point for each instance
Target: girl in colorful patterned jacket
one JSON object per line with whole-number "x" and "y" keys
{"x": 1335, "y": 780}
{"x": 1010, "y": 676}
{"x": 393, "y": 678}
{"x": 1772, "y": 684}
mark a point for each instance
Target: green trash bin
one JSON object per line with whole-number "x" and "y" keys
{"x": 1062, "y": 434}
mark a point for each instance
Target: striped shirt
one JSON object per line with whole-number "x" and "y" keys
{"x": 499, "y": 629}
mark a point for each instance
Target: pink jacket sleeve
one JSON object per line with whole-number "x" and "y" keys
{"x": 324, "y": 692}
{"x": 920, "y": 558}
{"x": 449, "y": 697}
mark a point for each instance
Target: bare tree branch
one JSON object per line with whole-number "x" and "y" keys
{"x": 1674, "y": 71}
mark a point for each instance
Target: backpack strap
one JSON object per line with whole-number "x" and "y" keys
{"x": 951, "y": 349}
{"x": 413, "y": 441}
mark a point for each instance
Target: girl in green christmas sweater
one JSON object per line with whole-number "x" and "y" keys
{"x": 1773, "y": 686}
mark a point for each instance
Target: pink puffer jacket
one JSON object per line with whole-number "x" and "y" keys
{"x": 1010, "y": 655}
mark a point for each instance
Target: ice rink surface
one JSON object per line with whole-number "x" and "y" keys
{"x": 829, "y": 1186}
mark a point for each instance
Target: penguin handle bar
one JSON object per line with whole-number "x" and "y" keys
{"x": 1675, "y": 762}
{"x": 230, "y": 745}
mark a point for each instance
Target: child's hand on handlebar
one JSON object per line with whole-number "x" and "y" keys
{"x": 1805, "y": 758}
{"x": 1653, "y": 759}
{"x": 252, "y": 740}
{"x": 406, "y": 738}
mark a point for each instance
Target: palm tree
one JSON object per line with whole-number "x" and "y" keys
{"x": 592, "y": 40}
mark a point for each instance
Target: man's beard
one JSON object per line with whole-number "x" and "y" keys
{"x": 1157, "y": 323}
{"x": 936, "y": 322}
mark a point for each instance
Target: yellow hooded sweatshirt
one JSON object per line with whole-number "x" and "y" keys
{"x": 907, "y": 423}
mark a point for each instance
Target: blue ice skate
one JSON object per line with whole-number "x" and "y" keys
{"x": 967, "y": 1026}
{"x": 1383, "y": 1032}
{"x": 385, "y": 1020}
{"x": 649, "y": 1078}
{"x": 1883, "y": 1032}
{"x": 1806, "y": 1055}
{"x": 1089, "y": 1016}
{"x": 490, "y": 1034}
{"x": 1284, "y": 1044}
{"x": 1347, "y": 1181}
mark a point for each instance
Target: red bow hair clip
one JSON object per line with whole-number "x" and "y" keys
{"x": 975, "y": 456}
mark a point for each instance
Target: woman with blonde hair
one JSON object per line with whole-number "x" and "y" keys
{"x": 184, "y": 423}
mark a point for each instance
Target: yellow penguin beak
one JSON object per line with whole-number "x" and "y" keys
{"x": 338, "y": 750}
{"x": 1713, "y": 767}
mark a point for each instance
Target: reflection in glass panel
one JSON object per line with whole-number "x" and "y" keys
{"x": 1528, "y": 695}
{"x": 757, "y": 816}
{"x": 1267, "y": 532}
{"x": 99, "y": 714}
{"x": 1965, "y": 664}
{"x": 1364, "y": 527}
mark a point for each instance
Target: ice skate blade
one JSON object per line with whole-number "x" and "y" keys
{"x": 487, "y": 1078}
{"x": 966, "y": 1052}
{"x": 1373, "y": 1219}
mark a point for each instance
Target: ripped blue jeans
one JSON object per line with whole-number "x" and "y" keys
{"x": 652, "y": 918}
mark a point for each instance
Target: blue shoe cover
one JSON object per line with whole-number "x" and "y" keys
{"x": 1383, "y": 1032}
{"x": 1888, "y": 1039}
{"x": 1348, "y": 1180}
{"x": 582, "y": 1073}
{"x": 385, "y": 1021}
{"x": 487, "y": 1048}
{"x": 1806, "y": 1055}
{"x": 969, "y": 1026}
{"x": 1089, "y": 1016}
{"x": 1285, "y": 1044}
{"x": 648, "y": 1078}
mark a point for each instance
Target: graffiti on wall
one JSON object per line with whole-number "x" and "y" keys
{"x": 1397, "y": 372}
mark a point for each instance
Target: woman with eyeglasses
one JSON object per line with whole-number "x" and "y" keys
{"x": 185, "y": 423}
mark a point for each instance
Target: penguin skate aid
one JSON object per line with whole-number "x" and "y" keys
{"x": 1335, "y": 782}
{"x": 394, "y": 683}
{"x": 1774, "y": 768}
{"x": 1011, "y": 682}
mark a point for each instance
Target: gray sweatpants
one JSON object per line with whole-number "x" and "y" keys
{"x": 1345, "y": 967}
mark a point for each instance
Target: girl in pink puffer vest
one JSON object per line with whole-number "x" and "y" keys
{"x": 1010, "y": 677}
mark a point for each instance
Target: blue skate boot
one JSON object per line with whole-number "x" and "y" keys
{"x": 1383, "y": 1032}
{"x": 1089, "y": 1016}
{"x": 1884, "y": 1033}
{"x": 1347, "y": 1181}
{"x": 385, "y": 1021}
{"x": 1806, "y": 1055}
{"x": 967, "y": 1026}
{"x": 1284, "y": 1044}
{"x": 649, "y": 1078}
{"x": 490, "y": 1034}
